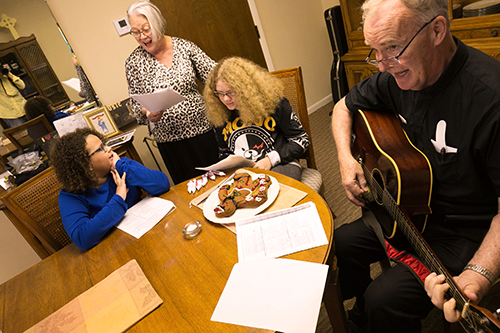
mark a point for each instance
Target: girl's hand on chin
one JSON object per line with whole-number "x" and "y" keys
{"x": 121, "y": 186}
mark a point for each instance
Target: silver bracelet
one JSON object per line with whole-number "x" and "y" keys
{"x": 481, "y": 270}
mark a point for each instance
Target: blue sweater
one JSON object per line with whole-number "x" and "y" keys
{"x": 88, "y": 217}
{"x": 57, "y": 115}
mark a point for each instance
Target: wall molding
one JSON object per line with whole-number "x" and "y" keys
{"x": 318, "y": 105}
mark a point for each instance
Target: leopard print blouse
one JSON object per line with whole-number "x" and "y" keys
{"x": 145, "y": 74}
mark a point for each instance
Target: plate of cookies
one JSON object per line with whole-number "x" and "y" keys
{"x": 243, "y": 196}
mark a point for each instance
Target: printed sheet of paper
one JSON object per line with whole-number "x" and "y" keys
{"x": 279, "y": 233}
{"x": 111, "y": 306}
{"x": 69, "y": 124}
{"x": 144, "y": 215}
{"x": 278, "y": 294}
{"x": 232, "y": 161}
{"x": 159, "y": 100}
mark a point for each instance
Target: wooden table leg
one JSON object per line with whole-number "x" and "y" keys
{"x": 332, "y": 299}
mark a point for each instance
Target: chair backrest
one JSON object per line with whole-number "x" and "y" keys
{"x": 294, "y": 92}
{"x": 35, "y": 204}
{"x": 24, "y": 135}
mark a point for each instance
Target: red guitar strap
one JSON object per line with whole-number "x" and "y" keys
{"x": 395, "y": 255}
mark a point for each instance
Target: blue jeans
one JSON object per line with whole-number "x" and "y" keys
{"x": 15, "y": 122}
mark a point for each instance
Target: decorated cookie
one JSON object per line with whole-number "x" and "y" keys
{"x": 242, "y": 192}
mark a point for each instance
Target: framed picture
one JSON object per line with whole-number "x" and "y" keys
{"x": 121, "y": 114}
{"x": 101, "y": 121}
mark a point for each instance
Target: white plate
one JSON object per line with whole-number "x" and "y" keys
{"x": 213, "y": 201}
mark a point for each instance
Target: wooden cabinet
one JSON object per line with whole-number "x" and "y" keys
{"x": 26, "y": 60}
{"x": 481, "y": 32}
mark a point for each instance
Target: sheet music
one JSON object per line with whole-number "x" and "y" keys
{"x": 279, "y": 233}
{"x": 144, "y": 215}
{"x": 159, "y": 100}
{"x": 232, "y": 161}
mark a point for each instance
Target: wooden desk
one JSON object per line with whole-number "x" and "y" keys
{"x": 189, "y": 275}
{"x": 6, "y": 150}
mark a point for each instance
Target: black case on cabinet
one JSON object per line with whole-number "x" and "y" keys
{"x": 338, "y": 41}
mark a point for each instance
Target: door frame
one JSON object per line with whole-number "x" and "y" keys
{"x": 262, "y": 39}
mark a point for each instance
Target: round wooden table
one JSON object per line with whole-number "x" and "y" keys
{"x": 188, "y": 275}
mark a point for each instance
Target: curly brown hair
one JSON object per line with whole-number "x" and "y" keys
{"x": 258, "y": 92}
{"x": 37, "y": 106}
{"x": 71, "y": 161}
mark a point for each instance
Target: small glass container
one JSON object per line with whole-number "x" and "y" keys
{"x": 192, "y": 229}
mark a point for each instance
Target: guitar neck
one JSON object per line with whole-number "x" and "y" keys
{"x": 388, "y": 160}
{"x": 422, "y": 249}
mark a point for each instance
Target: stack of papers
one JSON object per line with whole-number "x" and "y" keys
{"x": 277, "y": 294}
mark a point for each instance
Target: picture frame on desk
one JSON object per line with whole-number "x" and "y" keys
{"x": 101, "y": 121}
{"x": 121, "y": 114}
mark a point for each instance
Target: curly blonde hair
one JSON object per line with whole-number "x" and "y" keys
{"x": 257, "y": 91}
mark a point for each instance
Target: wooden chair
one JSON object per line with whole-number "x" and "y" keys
{"x": 294, "y": 92}
{"x": 34, "y": 209}
{"x": 37, "y": 128}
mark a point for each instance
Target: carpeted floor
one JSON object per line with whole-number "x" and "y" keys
{"x": 326, "y": 161}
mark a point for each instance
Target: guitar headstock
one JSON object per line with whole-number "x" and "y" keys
{"x": 477, "y": 319}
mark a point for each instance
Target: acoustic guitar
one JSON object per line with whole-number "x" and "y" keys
{"x": 399, "y": 178}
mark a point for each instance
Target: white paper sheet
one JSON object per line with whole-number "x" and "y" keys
{"x": 277, "y": 294}
{"x": 73, "y": 83}
{"x": 144, "y": 215}
{"x": 69, "y": 124}
{"x": 159, "y": 100}
{"x": 279, "y": 233}
{"x": 232, "y": 161}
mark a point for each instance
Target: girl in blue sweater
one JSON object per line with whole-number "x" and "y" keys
{"x": 99, "y": 186}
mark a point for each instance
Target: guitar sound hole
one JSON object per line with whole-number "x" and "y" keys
{"x": 378, "y": 186}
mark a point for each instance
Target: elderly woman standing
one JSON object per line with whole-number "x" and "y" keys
{"x": 185, "y": 137}
{"x": 252, "y": 117}
{"x": 99, "y": 186}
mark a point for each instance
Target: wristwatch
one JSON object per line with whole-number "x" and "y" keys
{"x": 481, "y": 270}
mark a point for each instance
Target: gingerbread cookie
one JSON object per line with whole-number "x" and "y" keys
{"x": 242, "y": 192}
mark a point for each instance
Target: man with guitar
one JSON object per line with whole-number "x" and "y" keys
{"x": 446, "y": 97}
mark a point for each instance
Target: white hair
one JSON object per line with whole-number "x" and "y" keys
{"x": 153, "y": 15}
{"x": 423, "y": 10}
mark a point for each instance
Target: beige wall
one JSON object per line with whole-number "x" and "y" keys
{"x": 33, "y": 17}
{"x": 296, "y": 35}
{"x": 295, "y": 31}
{"x": 88, "y": 25}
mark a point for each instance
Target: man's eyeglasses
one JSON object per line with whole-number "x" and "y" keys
{"x": 393, "y": 61}
{"x": 221, "y": 94}
{"x": 102, "y": 147}
{"x": 137, "y": 33}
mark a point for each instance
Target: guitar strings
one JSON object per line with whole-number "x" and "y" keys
{"x": 413, "y": 236}
{"x": 419, "y": 244}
